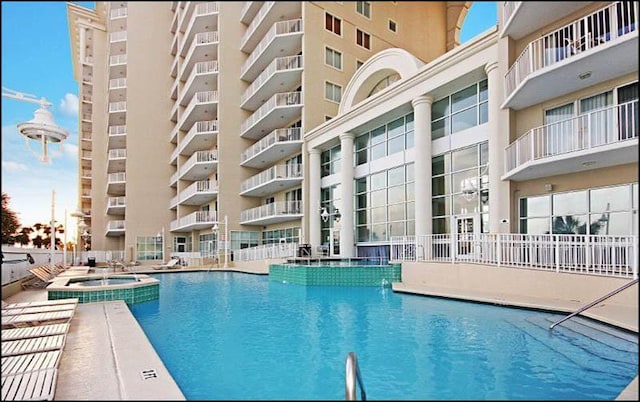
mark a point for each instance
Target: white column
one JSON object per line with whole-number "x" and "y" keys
{"x": 422, "y": 164}
{"x": 314, "y": 198}
{"x": 346, "y": 212}
{"x": 498, "y": 126}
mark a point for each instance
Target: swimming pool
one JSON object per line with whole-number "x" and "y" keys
{"x": 229, "y": 335}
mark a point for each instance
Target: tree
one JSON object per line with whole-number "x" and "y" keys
{"x": 24, "y": 236}
{"x": 10, "y": 221}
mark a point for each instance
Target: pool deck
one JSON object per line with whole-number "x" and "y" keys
{"x": 107, "y": 356}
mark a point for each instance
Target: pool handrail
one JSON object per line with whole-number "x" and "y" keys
{"x": 593, "y": 303}
{"x": 352, "y": 373}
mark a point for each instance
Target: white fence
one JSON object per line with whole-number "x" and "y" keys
{"x": 597, "y": 255}
{"x": 13, "y": 269}
{"x": 266, "y": 251}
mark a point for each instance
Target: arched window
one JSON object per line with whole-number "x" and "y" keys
{"x": 383, "y": 83}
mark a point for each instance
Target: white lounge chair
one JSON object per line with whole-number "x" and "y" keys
{"x": 30, "y": 361}
{"x": 34, "y": 332}
{"x": 26, "y": 320}
{"x": 33, "y": 345}
{"x": 6, "y": 305}
{"x": 38, "y": 309}
{"x": 171, "y": 264}
{"x": 38, "y": 385}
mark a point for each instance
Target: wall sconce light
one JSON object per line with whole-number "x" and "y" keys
{"x": 548, "y": 187}
{"x": 324, "y": 214}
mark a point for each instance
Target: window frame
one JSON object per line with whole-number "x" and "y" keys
{"x": 364, "y": 35}
{"x": 334, "y": 87}
{"x": 364, "y": 5}
{"x": 334, "y": 19}
{"x": 334, "y": 53}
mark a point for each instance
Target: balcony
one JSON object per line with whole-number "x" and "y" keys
{"x": 119, "y": 36}
{"x": 598, "y": 139}
{"x": 118, "y": 13}
{"x": 118, "y": 66}
{"x": 198, "y": 220}
{"x": 270, "y": 13}
{"x": 202, "y": 135}
{"x": 280, "y": 109}
{"x": 85, "y": 175}
{"x": 249, "y": 10}
{"x": 276, "y": 212}
{"x": 282, "y": 72}
{"x": 204, "y": 17}
{"x": 117, "y": 89}
{"x": 276, "y": 178}
{"x": 199, "y": 193}
{"x": 117, "y": 113}
{"x": 200, "y": 165}
{"x": 115, "y": 228}
{"x": 275, "y": 146}
{"x": 283, "y": 37}
{"x": 87, "y": 73}
{"x": 118, "y": 42}
{"x": 203, "y": 106}
{"x": 576, "y": 56}
{"x": 203, "y": 48}
{"x": 203, "y": 77}
{"x": 85, "y": 192}
{"x": 173, "y": 113}
{"x": 116, "y": 161}
{"x": 116, "y": 205}
{"x": 116, "y": 183}
{"x": 117, "y": 137}
{"x": 520, "y": 18}
{"x": 85, "y": 158}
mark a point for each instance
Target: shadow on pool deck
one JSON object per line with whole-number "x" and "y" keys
{"x": 107, "y": 356}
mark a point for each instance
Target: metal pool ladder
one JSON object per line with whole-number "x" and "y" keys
{"x": 593, "y": 303}
{"x": 352, "y": 374}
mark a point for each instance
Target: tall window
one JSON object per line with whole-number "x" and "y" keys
{"x": 461, "y": 110}
{"x": 330, "y": 161}
{"x": 240, "y": 239}
{"x": 333, "y": 58}
{"x": 395, "y": 136}
{"x": 149, "y": 248}
{"x": 363, "y": 39}
{"x": 331, "y": 200}
{"x": 288, "y": 235}
{"x": 364, "y": 8}
{"x": 332, "y": 92}
{"x": 333, "y": 24}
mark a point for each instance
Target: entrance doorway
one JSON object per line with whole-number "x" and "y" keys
{"x": 334, "y": 246}
{"x": 466, "y": 228}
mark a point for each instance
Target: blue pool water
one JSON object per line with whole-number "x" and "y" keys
{"x": 237, "y": 336}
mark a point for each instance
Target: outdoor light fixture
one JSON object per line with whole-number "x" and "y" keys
{"x": 215, "y": 228}
{"x": 41, "y": 128}
{"x": 324, "y": 214}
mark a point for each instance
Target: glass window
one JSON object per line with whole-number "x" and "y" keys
{"x": 610, "y": 199}
{"x": 440, "y": 225}
{"x": 440, "y": 109}
{"x": 333, "y": 58}
{"x": 570, "y": 203}
{"x": 364, "y": 8}
{"x": 440, "y": 164}
{"x": 440, "y": 206}
{"x": 396, "y": 145}
{"x": 333, "y": 24}
{"x": 569, "y": 224}
{"x": 396, "y": 176}
{"x": 396, "y": 127}
{"x": 614, "y": 223}
{"x": 464, "y": 158}
{"x": 396, "y": 212}
{"x": 439, "y": 129}
{"x": 464, "y": 99}
{"x": 396, "y": 194}
{"x": 333, "y": 92}
{"x": 534, "y": 226}
{"x": 363, "y": 39}
{"x": 535, "y": 206}
{"x": 440, "y": 185}
{"x": 464, "y": 120}
{"x": 378, "y": 135}
{"x": 378, "y": 181}
{"x": 392, "y": 26}
{"x": 483, "y": 94}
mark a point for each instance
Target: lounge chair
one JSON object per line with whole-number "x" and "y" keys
{"x": 73, "y": 300}
{"x": 38, "y": 309}
{"x": 171, "y": 264}
{"x": 34, "y": 332}
{"x": 26, "y": 320}
{"x": 30, "y": 361}
{"x": 38, "y": 385}
{"x": 33, "y": 345}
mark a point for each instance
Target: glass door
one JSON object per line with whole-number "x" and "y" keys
{"x": 466, "y": 230}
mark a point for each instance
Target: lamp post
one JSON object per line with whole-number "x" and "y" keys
{"x": 226, "y": 240}
{"x": 53, "y": 230}
{"x": 80, "y": 226}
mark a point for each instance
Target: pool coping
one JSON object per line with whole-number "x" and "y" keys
{"x": 61, "y": 283}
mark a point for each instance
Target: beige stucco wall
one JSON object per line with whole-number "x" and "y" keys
{"x": 518, "y": 281}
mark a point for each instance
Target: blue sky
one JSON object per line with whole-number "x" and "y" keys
{"x": 36, "y": 59}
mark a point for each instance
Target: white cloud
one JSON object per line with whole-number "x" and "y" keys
{"x": 69, "y": 104}
{"x": 71, "y": 151}
{"x": 12, "y": 166}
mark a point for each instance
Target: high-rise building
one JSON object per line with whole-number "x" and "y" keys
{"x": 196, "y": 111}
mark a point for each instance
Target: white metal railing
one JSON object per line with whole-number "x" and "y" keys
{"x": 570, "y": 253}
{"x": 200, "y": 157}
{"x": 86, "y": 116}
{"x": 608, "y": 23}
{"x": 257, "y": 20}
{"x": 202, "y": 38}
{"x": 118, "y": 59}
{"x": 277, "y": 100}
{"x": 117, "y": 153}
{"x": 100, "y": 255}
{"x": 118, "y": 13}
{"x": 278, "y": 135}
{"x": 201, "y": 186}
{"x": 278, "y": 64}
{"x": 266, "y": 251}
{"x": 117, "y": 177}
{"x": 118, "y": 130}
{"x": 200, "y": 127}
{"x": 85, "y": 173}
{"x": 115, "y": 225}
{"x": 275, "y": 172}
{"x": 113, "y": 202}
{"x": 86, "y": 193}
{"x": 118, "y": 36}
{"x": 201, "y": 67}
{"x": 86, "y": 154}
{"x": 273, "y": 209}
{"x": 194, "y": 218}
{"x": 117, "y": 83}
{"x": 202, "y": 97}
{"x": 117, "y": 106}
{"x": 508, "y": 7}
{"x": 88, "y": 60}
{"x": 279, "y": 28}
{"x": 600, "y": 127}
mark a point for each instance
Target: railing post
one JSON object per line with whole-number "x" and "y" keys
{"x": 499, "y": 248}
{"x": 557, "y": 253}
{"x": 635, "y": 258}
{"x": 454, "y": 239}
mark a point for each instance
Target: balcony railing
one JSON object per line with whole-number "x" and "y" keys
{"x": 278, "y": 135}
{"x": 615, "y": 256}
{"x": 115, "y": 225}
{"x": 118, "y": 13}
{"x": 202, "y": 67}
{"x": 86, "y": 173}
{"x": 201, "y": 186}
{"x": 118, "y": 59}
{"x": 119, "y": 177}
{"x": 277, "y": 100}
{"x": 279, "y": 28}
{"x": 601, "y": 127}
{"x": 117, "y": 83}
{"x": 202, "y": 38}
{"x": 194, "y": 218}
{"x": 86, "y": 154}
{"x": 115, "y": 202}
{"x": 200, "y": 157}
{"x": 266, "y": 252}
{"x": 596, "y": 29}
{"x": 118, "y": 36}
{"x": 273, "y": 209}
{"x": 278, "y": 64}
{"x": 508, "y": 7}
{"x": 117, "y": 153}
{"x": 117, "y": 130}
{"x": 200, "y": 127}
{"x": 275, "y": 172}
{"x": 256, "y": 21}
{"x": 201, "y": 9}
{"x": 117, "y": 106}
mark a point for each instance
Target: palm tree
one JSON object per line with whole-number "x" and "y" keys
{"x": 24, "y": 236}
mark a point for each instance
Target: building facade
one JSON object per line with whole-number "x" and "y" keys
{"x": 235, "y": 125}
